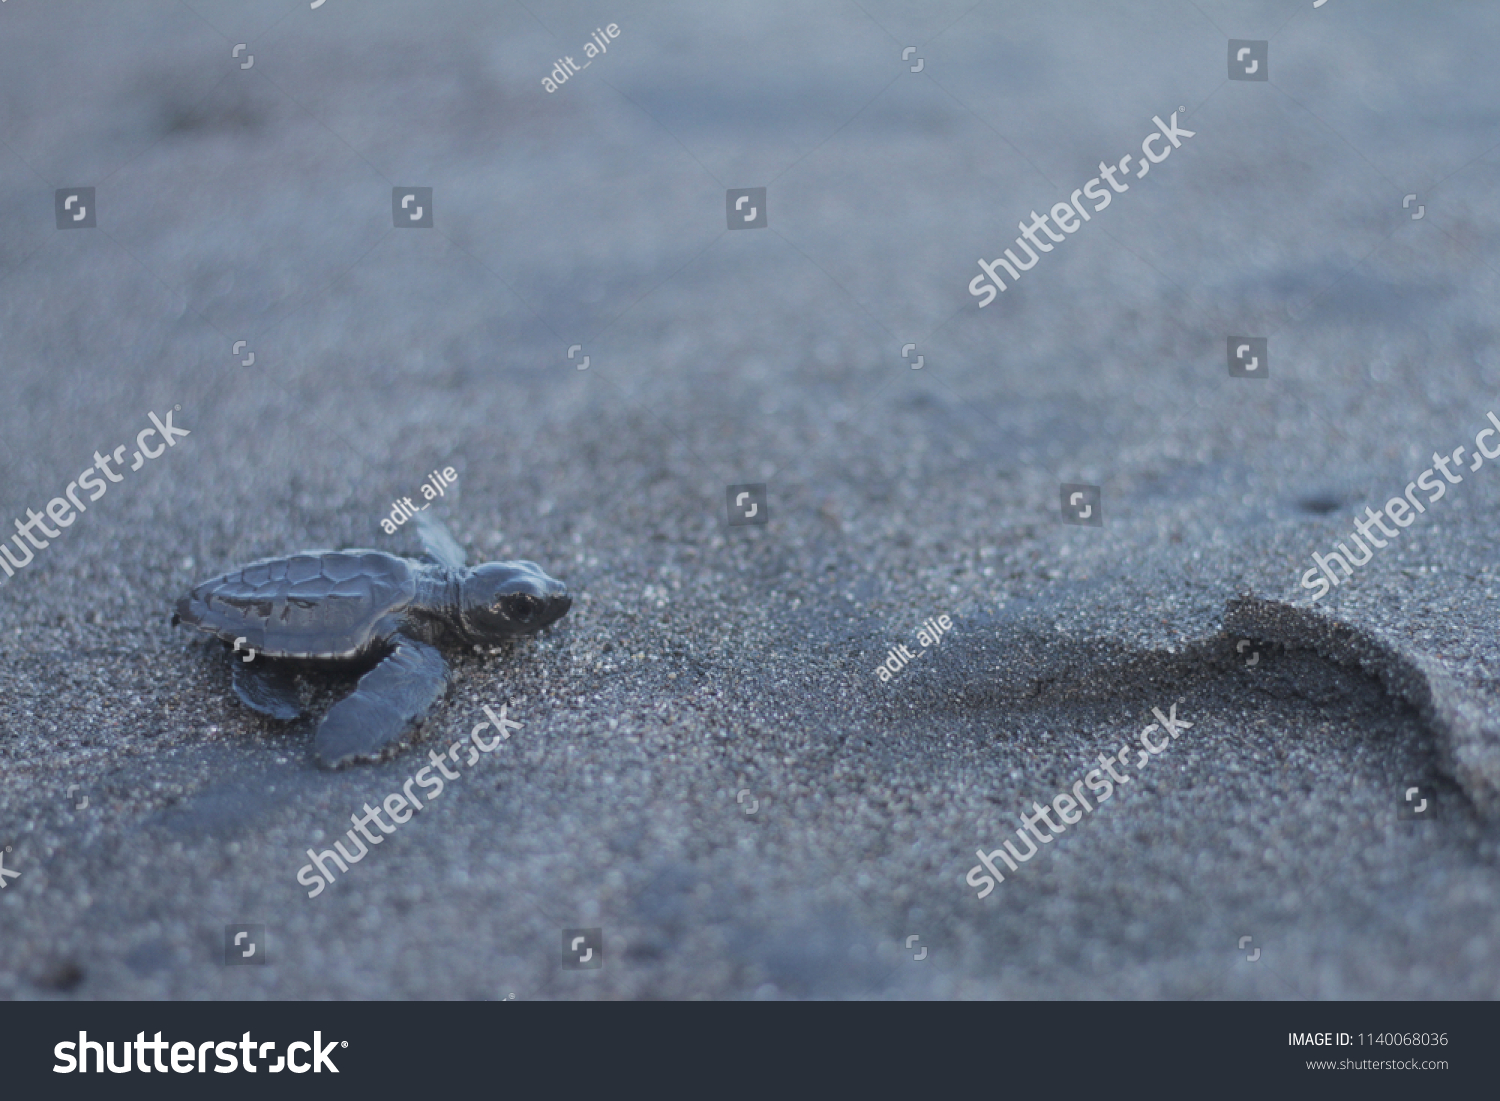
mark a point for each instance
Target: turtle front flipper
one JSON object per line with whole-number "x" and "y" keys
{"x": 268, "y": 688}
{"x": 390, "y": 698}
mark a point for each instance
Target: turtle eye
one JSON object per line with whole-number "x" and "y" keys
{"x": 523, "y": 607}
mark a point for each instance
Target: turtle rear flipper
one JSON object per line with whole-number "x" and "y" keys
{"x": 439, "y": 543}
{"x": 390, "y": 698}
{"x": 267, "y": 688}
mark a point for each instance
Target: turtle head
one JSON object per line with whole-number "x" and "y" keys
{"x": 501, "y": 600}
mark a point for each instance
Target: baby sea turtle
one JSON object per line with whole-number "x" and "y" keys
{"x": 357, "y": 606}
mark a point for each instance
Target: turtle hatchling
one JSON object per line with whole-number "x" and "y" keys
{"x": 364, "y": 608}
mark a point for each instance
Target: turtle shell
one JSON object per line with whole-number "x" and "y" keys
{"x": 330, "y": 605}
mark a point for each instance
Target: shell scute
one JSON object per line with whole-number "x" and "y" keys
{"x": 304, "y": 567}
